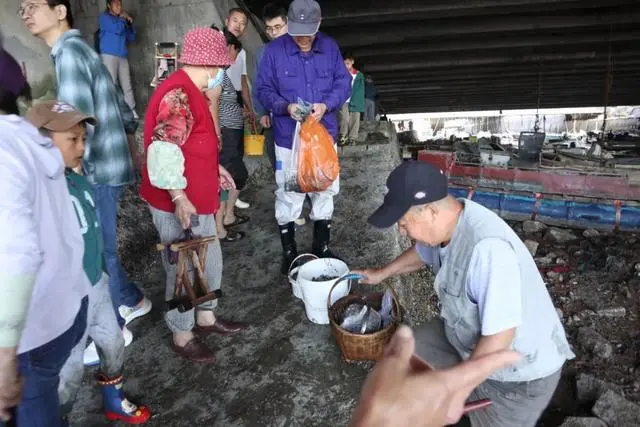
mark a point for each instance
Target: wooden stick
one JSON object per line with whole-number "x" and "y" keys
{"x": 188, "y": 283}
{"x": 177, "y": 247}
{"x": 180, "y": 273}
{"x": 202, "y": 280}
{"x": 203, "y": 251}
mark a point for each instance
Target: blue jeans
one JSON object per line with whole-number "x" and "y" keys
{"x": 40, "y": 369}
{"x": 122, "y": 290}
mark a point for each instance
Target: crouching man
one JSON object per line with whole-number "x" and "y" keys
{"x": 491, "y": 293}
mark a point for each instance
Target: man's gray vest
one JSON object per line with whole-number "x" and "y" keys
{"x": 540, "y": 338}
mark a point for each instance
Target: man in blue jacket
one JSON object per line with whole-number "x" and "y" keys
{"x": 116, "y": 30}
{"x": 308, "y": 65}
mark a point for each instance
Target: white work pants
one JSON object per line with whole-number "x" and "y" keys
{"x": 289, "y": 204}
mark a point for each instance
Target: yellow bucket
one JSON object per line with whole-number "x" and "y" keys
{"x": 253, "y": 145}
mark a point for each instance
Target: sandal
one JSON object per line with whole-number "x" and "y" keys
{"x": 240, "y": 219}
{"x": 232, "y": 236}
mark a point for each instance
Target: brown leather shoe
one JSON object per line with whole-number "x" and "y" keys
{"x": 195, "y": 351}
{"x": 222, "y": 327}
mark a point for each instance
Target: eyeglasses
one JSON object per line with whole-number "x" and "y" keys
{"x": 274, "y": 29}
{"x": 29, "y": 9}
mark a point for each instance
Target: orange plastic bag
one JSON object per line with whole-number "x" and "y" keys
{"x": 318, "y": 163}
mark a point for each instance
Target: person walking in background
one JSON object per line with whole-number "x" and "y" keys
{"x": 115, "y": 31}
{"x": 182, "y": 177}
{"x": 84, "y": 82}
{"x": 66, "y": 127}
{"x": 304, "y": 64}
{"x": 43, "y": 286}
{"x": 275, "y": 23}
{"x": 370, "y": 97}
{"x": 351, "y": 110}
{"x": 227, "y": 116}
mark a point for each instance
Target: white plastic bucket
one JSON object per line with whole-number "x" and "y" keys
{"x": 293, "y": 274}
{"x": 315, "y": 294}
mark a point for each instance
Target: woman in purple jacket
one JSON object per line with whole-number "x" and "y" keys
{"x": 116, "y": 30}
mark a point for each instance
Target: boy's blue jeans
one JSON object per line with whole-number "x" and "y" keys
{"x": 122, "y": 290}
{"x": 40, "y": 369}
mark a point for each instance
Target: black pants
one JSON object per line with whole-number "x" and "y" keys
{"x": 270, "y": 146}
{"x": 232, "y": 154}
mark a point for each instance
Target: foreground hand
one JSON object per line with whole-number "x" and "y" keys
{"x": 265, "y": 121}
{"x": 295, "y": 112}
{"x": 318, "y": 111}
{"x": 371, "y": 276}
{"x": 184, "y": 210}
{"x": 10, "y": 382}
{"x": 226, "y": 180}
{"x": 248, "y": 114}
{"x": 126, "y": 16}
{"x": 399, "y": 393}
{"x": 138, "y": 161}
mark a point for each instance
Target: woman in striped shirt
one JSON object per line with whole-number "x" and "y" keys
{"x": 229, "y": 120}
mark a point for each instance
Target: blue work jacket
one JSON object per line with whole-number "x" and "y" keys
{"x": 286, "y": 74}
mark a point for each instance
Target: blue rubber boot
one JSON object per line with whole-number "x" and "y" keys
{"x": 116, "y": 405}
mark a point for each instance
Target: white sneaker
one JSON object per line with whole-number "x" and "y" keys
{"x": 301, "y": 221}
{"x": 242, "y": 205}
{"x": 127, "y": 335}
{"x": 90, "y": 357}
{"x": 131, "y": 313}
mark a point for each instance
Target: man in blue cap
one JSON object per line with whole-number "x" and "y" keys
{"x": 303, "y": 64}
{"x": 491, "y": 293}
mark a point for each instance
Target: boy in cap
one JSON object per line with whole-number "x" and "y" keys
{"x": 66, "y": 127}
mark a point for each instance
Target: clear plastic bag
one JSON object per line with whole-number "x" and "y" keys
{"x": 303, "y": 110}
{"x": 291, "y": 168}
{"x": 387, "y": 308}
{"x": 361, "y": 319}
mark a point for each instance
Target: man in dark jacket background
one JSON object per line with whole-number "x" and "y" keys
{"x": 370, "y": 97}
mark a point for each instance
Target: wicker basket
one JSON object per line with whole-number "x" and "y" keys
{"x": 357, "y": 346}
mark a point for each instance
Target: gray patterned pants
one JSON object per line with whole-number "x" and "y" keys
{"x": 103, "y": 328}
{"x": 515, "y": 404}
{"x": 169, "y": 229}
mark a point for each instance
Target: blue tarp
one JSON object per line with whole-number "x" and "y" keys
{"x": 595, "y": 214}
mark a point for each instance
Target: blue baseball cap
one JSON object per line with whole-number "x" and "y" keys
{"x": 413, "y": 183}
{"x": 304, "y": 18}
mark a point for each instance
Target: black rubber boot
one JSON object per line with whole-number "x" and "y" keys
{"x": 289, "y": 248}
{"x": 321, "y": 238}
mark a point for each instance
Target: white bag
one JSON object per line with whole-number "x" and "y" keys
{"x": 290, "y": 170}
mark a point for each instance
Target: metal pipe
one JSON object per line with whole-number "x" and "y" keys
{"x": 557, "y": 82}
{"x": 355, "y": 35}
{"x": 493, "y": 43}
{"x": 432, "y": 75}
{"x": 463, "y": 62}
{"x": 384, "y": 8}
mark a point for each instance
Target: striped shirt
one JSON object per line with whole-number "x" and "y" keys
{"x": 229, "y": 109}
{"x": 85, "y": 83}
